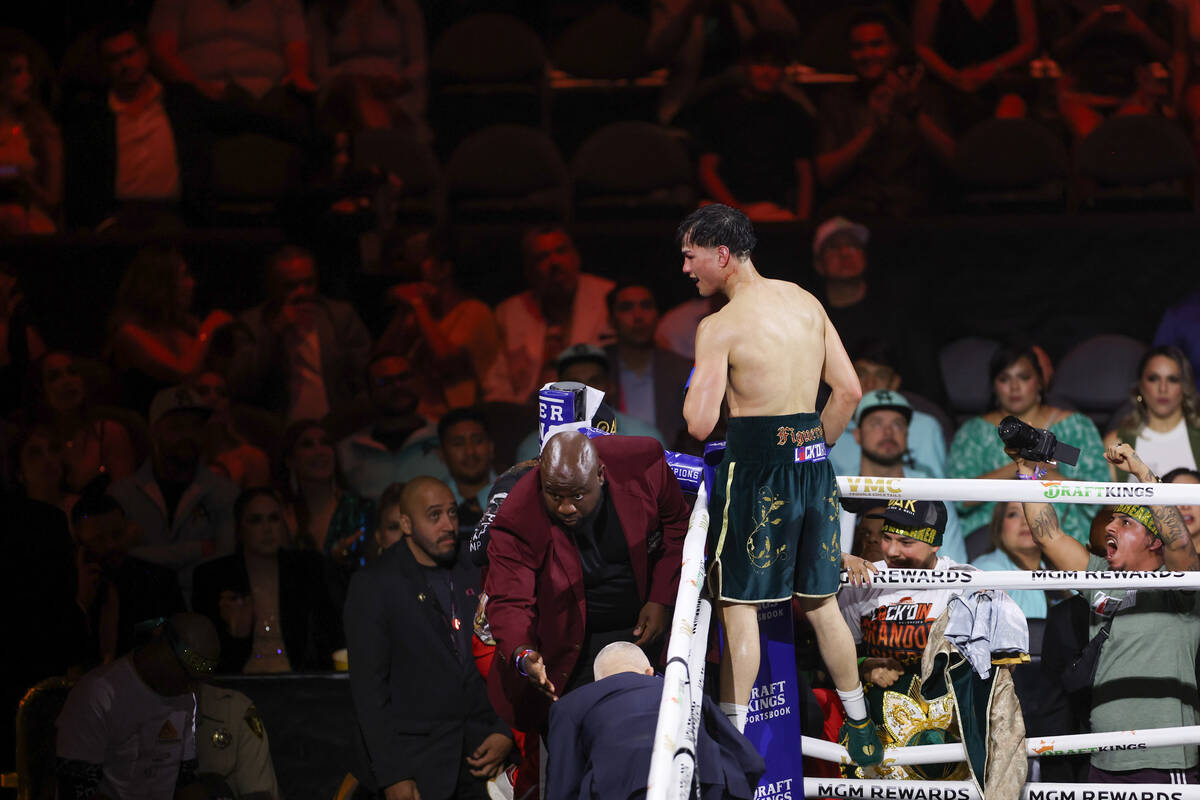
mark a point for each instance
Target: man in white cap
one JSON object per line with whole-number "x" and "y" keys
{"x": 184, "y": 509}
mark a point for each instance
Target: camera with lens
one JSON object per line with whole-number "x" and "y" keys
{"x": 1035, "y": 444}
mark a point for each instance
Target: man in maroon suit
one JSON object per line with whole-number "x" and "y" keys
{"x": 585, "y": 551}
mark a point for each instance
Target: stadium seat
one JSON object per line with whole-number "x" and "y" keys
{"x": 1012, "y": 163}
{"x": 964, "y": 365}
{"x": 507, "y": 173}
{"x": 485, "y": 69}
{"x": 1095, "y": 376}
{"x": 409, "y": 159}
{"x": 1135, "y": 163}
{"x": 632, "y": 169}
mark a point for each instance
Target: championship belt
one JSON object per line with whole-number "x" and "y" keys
{"x": 904, "y": 719}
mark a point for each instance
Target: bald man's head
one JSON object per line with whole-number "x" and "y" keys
{"x": 620, "y": 657}
{"x": 572, "y": 478}
{"x": 429, "y": 521}
{"x": 185, "y": 650}
{"x": 197, "y": 634}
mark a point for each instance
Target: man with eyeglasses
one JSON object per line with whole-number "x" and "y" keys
{"x": 399, "y": 444}
{"x": 128, "y": 728}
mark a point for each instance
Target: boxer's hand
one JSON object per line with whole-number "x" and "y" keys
{"x": 652, "y": 623}
{"x": 882, "y": 672}
{"x": 858, "y": 570}
{"x": 535, "y": 668}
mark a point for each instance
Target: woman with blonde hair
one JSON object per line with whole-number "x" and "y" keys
{"x": 1164, "y": 425}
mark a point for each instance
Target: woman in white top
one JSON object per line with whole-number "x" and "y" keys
{"x": 1164, "y": 426}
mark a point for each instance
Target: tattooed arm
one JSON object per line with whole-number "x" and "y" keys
{"x": 1179, "y": 554}
{"x": 1061, "y": 550}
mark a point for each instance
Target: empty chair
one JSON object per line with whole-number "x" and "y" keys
{"x": 607, "y": 43}
{"x": 964, "y": 365}
{"x": 252, "y": 173}
{"x": 36, "y": 735}
{"x": 1011, "y": 162}
{"x": 1095, "y": 376}
{"x": 507, "y": 173}
{"x": 632, "y": 169}
{"x": 485, "y": 69}
{"x": 1137, "y": 162}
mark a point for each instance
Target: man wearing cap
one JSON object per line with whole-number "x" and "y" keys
{"x": 876, "y": 365}
{"x": 891, "y": 624}
{"x": 881, "y": 436}
{"x": 128, "y": 728}
{"x": 183, "y": 510}
{"x": 1145, "y": 676}
{"x": 589, "y": 365}
{"x": 585, "y": 551}
{"x": 773, "y": 531}
{"x": 859, "y": 312}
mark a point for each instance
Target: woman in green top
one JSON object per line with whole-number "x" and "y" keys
{"x": 977, "y": 452}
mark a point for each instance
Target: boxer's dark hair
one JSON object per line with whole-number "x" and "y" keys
{"x": 876, "y": 15}
{"x": 714, "y": 225}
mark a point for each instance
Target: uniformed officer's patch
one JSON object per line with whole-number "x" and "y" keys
{"x": 254, "y": 721}
{"x": 221, "y": 738}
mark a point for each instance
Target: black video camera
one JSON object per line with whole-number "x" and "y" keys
{"x": 1035, "y": 444}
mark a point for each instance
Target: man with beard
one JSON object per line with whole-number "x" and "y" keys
{"x": 881, "y": 431}
{"x": 183, "y": 509}
{"x": 467, "y": 449}
{"x": 562, "y": 306}
{"x": 115, "y": 591}
{"x": 585, "y": 551}
{"x": 421, "y": 704}
{"x": 399, "y": 444}
{"x": 891, "y": 624}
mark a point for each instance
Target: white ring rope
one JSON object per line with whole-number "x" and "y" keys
{"x": 1034, "y": 579}
{"x": 673, "y": 760}
{"x": 978, "y": 490}
{"x": 1069, "y": 745}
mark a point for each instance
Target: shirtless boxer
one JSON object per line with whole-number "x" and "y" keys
{"x": 774, "y": 510}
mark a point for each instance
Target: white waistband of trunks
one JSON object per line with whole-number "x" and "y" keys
{"x": 812, "y": 452}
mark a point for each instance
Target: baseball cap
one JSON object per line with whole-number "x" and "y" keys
{"x": 580, "y": 352}
{"x": 176, "y": 398}
{"x": 923, "y": 520}
{"x": 878, "y": 399}
{"x": 836, "y": 225}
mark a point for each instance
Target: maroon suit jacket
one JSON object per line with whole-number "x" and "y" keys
{"x": 535, "y": 578}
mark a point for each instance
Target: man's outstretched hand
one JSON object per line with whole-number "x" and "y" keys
{"x": 652, "y": 623}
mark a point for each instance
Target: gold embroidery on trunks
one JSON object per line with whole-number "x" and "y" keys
{"x": 759, "y": 548}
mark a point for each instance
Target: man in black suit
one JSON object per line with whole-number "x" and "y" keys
{"x": 647, "y": 382}
{"x": 422, "y": 707}
{"x": 602, "y": 734}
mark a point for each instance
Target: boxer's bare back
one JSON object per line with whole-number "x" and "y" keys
{"x": 765, "y": 352}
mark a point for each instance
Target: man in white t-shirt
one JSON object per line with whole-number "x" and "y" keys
{"x": 128, "y": 728}
{"x": 891, "y": 626}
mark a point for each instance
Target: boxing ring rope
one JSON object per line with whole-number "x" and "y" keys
{"x": 673, "y": 758}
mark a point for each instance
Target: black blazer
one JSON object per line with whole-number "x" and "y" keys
{"x": 311, "y": 629}
{"x": 421, "y": 708}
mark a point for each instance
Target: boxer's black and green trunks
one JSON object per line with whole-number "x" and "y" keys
{"x": 774, "y": 513}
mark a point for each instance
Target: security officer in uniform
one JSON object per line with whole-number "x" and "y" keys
{"x": 232, "y": 747}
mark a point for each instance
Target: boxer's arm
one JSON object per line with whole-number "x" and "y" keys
{"x": 839, "y": 373}
{"x": 702, "y": 406}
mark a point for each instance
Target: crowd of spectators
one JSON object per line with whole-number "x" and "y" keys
{"x": 248, "y": 461}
